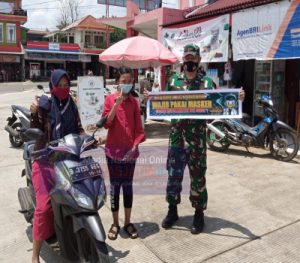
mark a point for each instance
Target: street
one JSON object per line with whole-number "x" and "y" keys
{"x": 253, "y": 210}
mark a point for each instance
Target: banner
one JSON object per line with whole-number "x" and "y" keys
{"x": 211, "y": 36}
{"x": 90, "y": 102}
{"x": 268, "y": 32}
{"x": 200, "y": 104}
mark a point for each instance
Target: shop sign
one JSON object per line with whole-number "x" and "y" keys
{"x": 211, "y": 36}
{"x": 52, "y": 56}
{"x": 268, "y": 32}
{"x": 54, "y": 46}
{"x": 9, "y": 59}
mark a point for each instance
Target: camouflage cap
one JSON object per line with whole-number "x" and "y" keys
{"x": 191, "y": 49}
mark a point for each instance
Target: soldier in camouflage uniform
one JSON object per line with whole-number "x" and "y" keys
{"x": 192, "y": 133}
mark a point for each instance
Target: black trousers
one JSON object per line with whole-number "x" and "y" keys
{"x": 121, "y": 176}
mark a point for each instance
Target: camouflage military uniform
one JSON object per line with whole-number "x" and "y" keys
{"x": 192, "y": 132}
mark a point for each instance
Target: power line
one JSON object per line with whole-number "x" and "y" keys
{"x": 40, "y": 3}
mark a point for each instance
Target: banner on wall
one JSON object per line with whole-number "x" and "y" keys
{"x": 211, "y": 36}
{"x": 201, "y": 104}
{"x": 268, "y": 32}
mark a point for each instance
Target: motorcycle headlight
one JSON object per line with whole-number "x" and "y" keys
{"x": 82, "y": 200}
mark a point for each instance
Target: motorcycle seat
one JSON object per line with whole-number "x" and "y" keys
{"x": 24, "y": 110}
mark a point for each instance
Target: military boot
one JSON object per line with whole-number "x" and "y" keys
{"x": 198, "y": 222}
{"x": 171, "y": 217}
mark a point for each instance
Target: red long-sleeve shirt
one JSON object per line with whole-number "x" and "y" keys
{"x": 126, "y": 129}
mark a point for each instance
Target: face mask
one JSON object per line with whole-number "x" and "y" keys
{"x": 191, "y": 66}
{"x": 126, "y": 88}
{"x": 61, "y": 94}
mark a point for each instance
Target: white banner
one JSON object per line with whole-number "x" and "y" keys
{"x": 211, "y": 36}
{"x": 268, "y": 32}
{"x": 90, "y": 101}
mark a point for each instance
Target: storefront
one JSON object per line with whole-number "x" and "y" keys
{"x": 270, "y": 34}
{"x": 10, "y": 67}
{"x": 43, "y": 57}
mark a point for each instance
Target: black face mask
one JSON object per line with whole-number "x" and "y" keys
{"x": 191, "y": 66}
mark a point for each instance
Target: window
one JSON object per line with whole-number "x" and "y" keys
{"x": 10, "y": 33}
{"x": 87, "y": 39}
{"x": 1, "y": 32}
{"x": 99, "y": 41}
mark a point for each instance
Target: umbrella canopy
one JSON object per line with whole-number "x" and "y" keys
{"x": 137, "y": 52}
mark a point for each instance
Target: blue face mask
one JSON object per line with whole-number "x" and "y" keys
{"x": 126, "y": 88}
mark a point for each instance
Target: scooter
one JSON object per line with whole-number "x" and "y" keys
{"x": 17, "y": 125}
{"x": 78, "y": 194}
{"x": 270, "y": 132}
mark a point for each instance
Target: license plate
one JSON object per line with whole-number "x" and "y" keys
{"x": 82, "y": 172}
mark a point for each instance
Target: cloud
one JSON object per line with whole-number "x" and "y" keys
{"x": 42, "y": 14}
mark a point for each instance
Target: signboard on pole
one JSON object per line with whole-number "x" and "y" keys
{"x": 211, "y": 36}
{"x": 268, "y": 32}
{"x": 200, "y": 104}
{"x": 90, "y": 101}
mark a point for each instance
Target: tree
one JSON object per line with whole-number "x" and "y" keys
{"x": 117, "y": 35}
{"x": 69, "y": 12}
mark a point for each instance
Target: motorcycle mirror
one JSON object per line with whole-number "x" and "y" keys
{"x": 101, "y": 123}
{"x": 33, "y": 134}
{"x": 40, "y": 87}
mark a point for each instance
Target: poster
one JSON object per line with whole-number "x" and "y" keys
{"x": 90, "y": 101}
{"x": 268, "y": 32}
{"x": 200, "y": 104}
{"x": 211, "y": 36}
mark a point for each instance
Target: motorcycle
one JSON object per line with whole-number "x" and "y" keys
{"x": 17, "y": 125}
{"x": 78, "y": 194}
{"x": 269, "y": 132}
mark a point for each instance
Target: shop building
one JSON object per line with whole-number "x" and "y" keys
{"x": 264, "y": 50}
{"x": 75, "y": 48}
{"x": 12, "y": 16}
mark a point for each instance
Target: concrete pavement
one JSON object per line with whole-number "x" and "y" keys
{"x": 252, "y": 216}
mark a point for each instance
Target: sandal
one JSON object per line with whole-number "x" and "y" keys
{"x": 131, "y": 231}
{"x": 112, "y": 234}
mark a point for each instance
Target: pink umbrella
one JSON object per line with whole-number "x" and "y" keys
{"x": 137, "y": 52}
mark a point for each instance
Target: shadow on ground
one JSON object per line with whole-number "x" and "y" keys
{"x": 214, "y": 224}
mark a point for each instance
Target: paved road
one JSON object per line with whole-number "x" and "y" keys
{"x": 253, "y": 210}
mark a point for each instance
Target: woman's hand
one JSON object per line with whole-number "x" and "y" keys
{"x": 242, "y": 94}
{"x": 131, "y": 154}
{"x": 119, "y": 99}
{"x": 34, "y": 105}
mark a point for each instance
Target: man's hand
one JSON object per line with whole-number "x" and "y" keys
{"x": 34, "y": 105}
{"x": 242, "y": 94}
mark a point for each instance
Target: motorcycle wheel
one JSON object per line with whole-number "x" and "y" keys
{"x": 90, "y": 249}
{"x": 215, "y": 142}
{"x": 284, "y": 145}
{"x": 16, "y": 142}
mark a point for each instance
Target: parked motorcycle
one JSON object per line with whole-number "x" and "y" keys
{"x": 17, "y": 125}
{"x": 269, "y": 132}
{"x": 78, "y": 194}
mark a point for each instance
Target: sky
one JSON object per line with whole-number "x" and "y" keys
{"x": 44, "y": 14}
